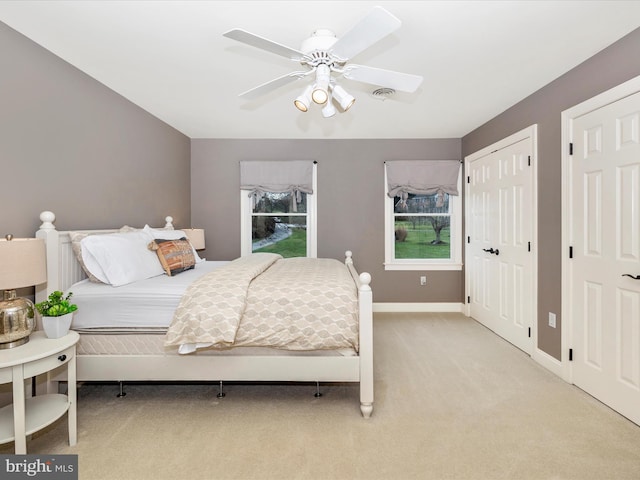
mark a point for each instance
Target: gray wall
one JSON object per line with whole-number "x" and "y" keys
{"x": 350, "y": 203}
{"x": 71, "y": 145}
{"x": 613, "y": 66}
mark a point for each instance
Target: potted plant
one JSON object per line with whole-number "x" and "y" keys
{"x": 57, "y": 313}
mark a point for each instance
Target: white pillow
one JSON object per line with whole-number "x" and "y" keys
{"x": 121, "y": 258}
{"x": 91, "y": 265}
{"x": 171, "y": 235}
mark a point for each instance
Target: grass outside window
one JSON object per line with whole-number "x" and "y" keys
{"x": 419, "y": 242}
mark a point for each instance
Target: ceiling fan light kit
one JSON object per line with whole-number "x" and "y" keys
{"x": 324, "y": 54}
{"x": 344, "y": 99}
{"x": 329, "y": 110}
{"x": 320, "y": 93}
{"x": 303, "y": 101}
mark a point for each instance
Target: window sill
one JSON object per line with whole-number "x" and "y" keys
{"x": 423, "y": 266}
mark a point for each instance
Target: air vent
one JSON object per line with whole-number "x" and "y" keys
{"x": 383, "y": 93}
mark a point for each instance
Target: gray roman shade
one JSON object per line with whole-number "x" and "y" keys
{"x": 276, "y": 176}
{"x": 422, "y": 177}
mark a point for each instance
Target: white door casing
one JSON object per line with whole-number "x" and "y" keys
{"x": 501, "y": 266}
{"x": 601, "y": 304}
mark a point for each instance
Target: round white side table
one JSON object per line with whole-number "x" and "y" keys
{"x": 28, "y": 415}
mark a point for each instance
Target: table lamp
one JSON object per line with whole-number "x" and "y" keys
{"x": 195, "y": 236}
{"x": 22, "y": 264}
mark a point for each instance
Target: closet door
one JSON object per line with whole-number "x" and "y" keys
{"x": 605, "y": 268}
{"x": 499, "y": 256}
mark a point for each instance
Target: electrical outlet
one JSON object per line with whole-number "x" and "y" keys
{"x": 423, "y": 280}
{"x": 552, "y": 320}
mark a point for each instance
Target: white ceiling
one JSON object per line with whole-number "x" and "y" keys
{"x": 477, "y": 58}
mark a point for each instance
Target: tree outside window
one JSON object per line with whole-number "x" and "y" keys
{"x": 277, "y": 226}
{"x": 422, "y": 227}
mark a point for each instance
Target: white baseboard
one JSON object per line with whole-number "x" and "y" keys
{"x": 417, "y": 307}
{"x": 550, "y": 363}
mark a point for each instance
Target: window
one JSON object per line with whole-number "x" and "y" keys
{"x": 423, "y": 224}
{"x": 279, "y": 221}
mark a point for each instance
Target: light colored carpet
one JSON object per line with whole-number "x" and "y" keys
{"x": 453, "y": 401}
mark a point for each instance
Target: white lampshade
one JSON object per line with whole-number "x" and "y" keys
{"x": 23, "y": 263}
{"x": 196, "y": 237}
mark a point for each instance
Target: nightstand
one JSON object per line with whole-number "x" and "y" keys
{"x": 28, "y": 415}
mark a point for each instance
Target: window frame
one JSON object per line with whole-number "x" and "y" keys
{"x": 455, "y": 237}
{"x": 246, "y": 215}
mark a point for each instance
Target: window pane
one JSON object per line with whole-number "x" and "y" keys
{"x": 280, "y": 234}
{"x": 422, "y": 204}
{"x": 280, "y": 203}
{"x": 422, "y": 237}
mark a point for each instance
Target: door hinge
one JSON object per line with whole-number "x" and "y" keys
{"x": 468, "y": 299}
{"x": 528, "y": 246}
{"x": 571, "y": 354}
{"x": 468, "y": 179}
{"x": 571, "y": 148}
{"x": 570, "y": 252}
{"x": 529, "y": 332}
{"x": 468, "y": 239}
{"x": 529, "y": 160}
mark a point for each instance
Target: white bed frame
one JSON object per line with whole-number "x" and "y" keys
{"x": 63, "y": 270}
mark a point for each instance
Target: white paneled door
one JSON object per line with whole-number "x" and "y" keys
{"x": 604, "y": 283}
{"x": 499, "y": 241}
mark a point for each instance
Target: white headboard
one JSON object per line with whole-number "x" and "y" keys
{"x": 63, "y": 269}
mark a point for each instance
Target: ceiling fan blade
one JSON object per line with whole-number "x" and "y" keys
{"x": 403, "y": 82}
{"x": 376, "y": 25}
{"x": 273, "y": 85}
{"x": 263, "y": 43}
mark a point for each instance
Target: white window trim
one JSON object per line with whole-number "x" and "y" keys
{"x": 454, "y": 263}
{"x": 312, "y": 219}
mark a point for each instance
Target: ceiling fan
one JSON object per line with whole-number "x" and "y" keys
{"x": 324, "y": 55}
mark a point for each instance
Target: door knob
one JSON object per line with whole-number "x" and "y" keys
{"x": 497, "y": 252}
{"x": 637, "y": 277}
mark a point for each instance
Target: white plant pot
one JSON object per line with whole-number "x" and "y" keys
{"x": 56, "y": 327}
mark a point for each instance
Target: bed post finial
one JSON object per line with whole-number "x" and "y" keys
{"x": 348, "y": 254}
{"x": 47, "y": 219}
{"x": 169, "y": 224}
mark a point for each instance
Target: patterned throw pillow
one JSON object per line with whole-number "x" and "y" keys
{"x": 175, "y": 255}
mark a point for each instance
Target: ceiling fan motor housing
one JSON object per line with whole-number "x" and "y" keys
{"x": 317, "y": 49}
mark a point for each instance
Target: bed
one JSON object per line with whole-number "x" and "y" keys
{"x": 122, "y": 346}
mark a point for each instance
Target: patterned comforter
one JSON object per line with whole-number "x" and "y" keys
{"x": 266, "y": 300}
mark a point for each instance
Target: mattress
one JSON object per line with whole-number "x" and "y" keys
{"x": 141, "y": 344}
{"x": 147, "y": 305}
